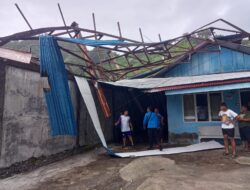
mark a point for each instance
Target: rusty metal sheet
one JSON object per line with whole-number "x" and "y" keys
{"x": 102, "y": 99}
{"x": 14, "y": 55}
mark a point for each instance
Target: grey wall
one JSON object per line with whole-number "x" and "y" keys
{"x": 25, "y": 123}
{"x": 26, "y": 132}
{"x": 2, "y": 83}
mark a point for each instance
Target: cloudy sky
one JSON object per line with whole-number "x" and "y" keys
{"x": 170, "y": 18}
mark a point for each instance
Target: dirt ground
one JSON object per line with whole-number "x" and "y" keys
{"x": 96, "y": 170}
{"x": 34, "y": 163}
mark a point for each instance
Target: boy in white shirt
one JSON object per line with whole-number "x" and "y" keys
{"x": 126, "y": 128}
{"x": 228, "y": 118}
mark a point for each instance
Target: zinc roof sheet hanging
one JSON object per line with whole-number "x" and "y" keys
{"x": 60, "y": 108}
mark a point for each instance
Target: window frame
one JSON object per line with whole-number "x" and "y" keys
{"x": 222, "y": 100}
{"x": 195, "y": 109}
{"x": 183, "y": 109}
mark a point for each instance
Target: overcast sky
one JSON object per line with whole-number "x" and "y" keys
{"x": 170, "y": 18}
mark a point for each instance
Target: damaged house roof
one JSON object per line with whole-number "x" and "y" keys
{"x": 173, "y": 83}
{"x": 135, "y": 59}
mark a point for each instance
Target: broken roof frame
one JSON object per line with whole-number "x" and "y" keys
{"x": 170, "y": 52}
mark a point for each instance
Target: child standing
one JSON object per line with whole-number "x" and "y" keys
{"x": 126, "y": 128}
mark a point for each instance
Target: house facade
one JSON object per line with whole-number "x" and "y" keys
{"x": 190, "y": 106}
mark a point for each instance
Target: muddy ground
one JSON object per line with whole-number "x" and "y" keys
{"x": 96, "y": 170}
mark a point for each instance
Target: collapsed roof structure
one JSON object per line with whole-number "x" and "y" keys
{"x": 132, "y": 58}
{"x": 147, "y": 63}
{"x": 127, "y": 59}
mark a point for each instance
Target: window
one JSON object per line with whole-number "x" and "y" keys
{"x": 244, "y": 98}
{"x": 189, "y": 110}
{"x": 201, "y": 107}
{"x": 215, "y": 100}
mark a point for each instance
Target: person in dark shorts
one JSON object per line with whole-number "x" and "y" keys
{"x": 161, "y": 125}
{"x": 126, "y": 128}
{"x": 227, "y": 118}
{"x": 151, "y": 122}
{"x": 244, "y": 127}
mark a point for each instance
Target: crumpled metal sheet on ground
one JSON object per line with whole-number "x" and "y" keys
{"x": 191, "y": 148}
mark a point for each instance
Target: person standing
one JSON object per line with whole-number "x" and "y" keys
{"x": 126, "y": 128}
{"x": 244, "y": 127}
{"x": 161, "y": 125}
{"x": 227, "y": 118}
{"x": 150, "y": 122}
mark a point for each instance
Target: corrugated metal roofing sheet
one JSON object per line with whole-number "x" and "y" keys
{"x": 14, "y": 55}
{"x": 153, "y": 83}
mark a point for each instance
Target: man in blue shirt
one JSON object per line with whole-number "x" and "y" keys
{"x": 151, "y": 122}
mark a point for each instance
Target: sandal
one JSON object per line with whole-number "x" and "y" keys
{"x": 225, "y": 153}
{"x": 234, "y": 156}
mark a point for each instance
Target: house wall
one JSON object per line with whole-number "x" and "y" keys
{"x": 203, "y": 63}
{"x": 26, "y": 131}
{"x": 187, "y": 132}
{"x": 226, "y": 60}
{"x": 2, "y": 83}
{"x": 25, "y": 125}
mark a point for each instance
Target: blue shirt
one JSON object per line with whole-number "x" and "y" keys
{"x": 151, "y": 120}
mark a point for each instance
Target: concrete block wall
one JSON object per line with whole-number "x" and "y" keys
{"x": 2, "y": 84}
{"x": 25, "y": 123}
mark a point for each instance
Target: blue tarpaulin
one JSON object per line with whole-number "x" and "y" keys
{"x": 92, "y": 42}
{"x": 60, "y": 109}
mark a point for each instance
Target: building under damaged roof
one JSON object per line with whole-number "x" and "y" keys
{"x": 186, "y": 83}
{"x": 195, "y": 85}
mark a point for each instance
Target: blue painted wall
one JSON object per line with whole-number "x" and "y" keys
{"x": 176, "y": 122}
{"x": 226, "y": 60}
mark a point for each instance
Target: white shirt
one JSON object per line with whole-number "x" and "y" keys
{"x": 125, "y": 120}
{"x": 227, "y": 119}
